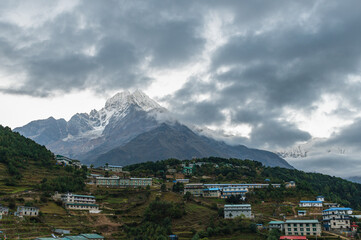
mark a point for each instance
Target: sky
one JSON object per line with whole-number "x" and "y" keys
{"x": 268, "y": 74}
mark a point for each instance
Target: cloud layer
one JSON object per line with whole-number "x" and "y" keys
{"x": 262, "y": 64}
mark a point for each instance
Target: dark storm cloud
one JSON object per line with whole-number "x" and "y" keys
{"x": 348, "y": 136}
{"x": 336, "y": 165}
{"x": 276, "y": 55}
{"x": 277, "y": 134}
{"x": 100, "y": 45}
{"x": 308, "y": 51}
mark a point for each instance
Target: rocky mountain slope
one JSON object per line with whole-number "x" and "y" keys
{"x": 132, "y": 128}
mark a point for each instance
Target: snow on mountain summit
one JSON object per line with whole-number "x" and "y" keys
{"x": 122, "y": 100}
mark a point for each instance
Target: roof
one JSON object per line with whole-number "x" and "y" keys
{"x": 237, "y": 205}
{"x": 82, "y": 204}
{"x": 211, "y": 189}
{"x": 242, "y": 191}
{"x": 92, "y": 236}
{"x": 338, "y": 209}
{"x": 302, "y": 211}
{"x": 140, "y": 178}
{"x": 76, "y": 238}
{"x": 320, "y": 196}
{"x": 115, "y": 166}
{"x": 49, "y": 238}
{"x": 86, "y": 196}
{"x": 301, "y": 221}
{"x": 276, "y": 222}
{"x": 293, "y": 237}
{"x": 310, "y": 201}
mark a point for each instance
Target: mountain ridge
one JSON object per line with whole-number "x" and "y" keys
{"x": 124, "y": 120}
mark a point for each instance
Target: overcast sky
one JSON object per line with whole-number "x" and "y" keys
{"x": 271, "y": 73}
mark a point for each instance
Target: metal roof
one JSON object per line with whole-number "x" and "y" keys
{"x": 276, "y": 222}
{"x": 301, "y": 221}
{"x": 338, "y": 209}
{"x": 310, "y": 201}
{"x": 237, "y": 205}
{"x": 92, "y": 236}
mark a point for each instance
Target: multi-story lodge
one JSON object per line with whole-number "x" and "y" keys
{"x": 310, "y": 203}
{"x": 27, "y": 211}
{"x": 122, "y": 182}
{"x": 337, "y": 218}
{"x": 74, "y": 198}
{"x": 302, "y": 227}
{"x": 212, "y": 192}
{"x": 196, "y": 189}
{"x": 236, "y": 210}
{"x": 82, "y": 206}
{"x": 241, "y": 185}
{"x": 226, "y": 192}
{"x": 113, "y": 168}
{"x": 182, "y": 180}
{"x": 79, "y": 202}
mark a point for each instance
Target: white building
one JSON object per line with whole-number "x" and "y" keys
{"x": 276, "y": 225}
{"x": 75, "y": 198}
{"x": 79, "y": 202}
{"x": 27, "y": 211}
{"x": 82, "y": 206}
{"x": 234, "y": 191}
{"x": 302, "y": 228}
{"x": 4, "y": 210}
{"x": 236, "y": 210}
{"x": 113, "y": 168}
{"x": 320, "y": 198}
{"x": 211, "y": 192}
{"x": 182, "y": 180}
{"x": 337, "y": 219}
{"x": 310, "y": 204}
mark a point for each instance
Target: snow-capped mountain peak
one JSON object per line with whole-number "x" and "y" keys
{"x": 122, "y": 100}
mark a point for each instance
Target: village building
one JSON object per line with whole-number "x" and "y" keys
{"x": 320, "y": 198}
{"x": 290, "y": 184}
{"x": 237, "y": 210}
{"x": 331, "y": 205}
{"x": 241, "y": 185}
{"x": 80, "y": 202}
{"x": 188, "y": 170}
{"x": 302, "y": 228}
{"x": 82, "y": 206}
{"x": 113, "y": 168}
{"x": 301, "y": 213}
{"x": 276, "y": 225}
{"x": 182, "y": 180}
{"x": 4, "y": 210}
{"x": 75, "y": 198}
{"x": 92, "y": 236}
{"x": 26, "y": 211}
{"x": 212, "y": 192}
{"x": 196, "y": 189}
{"x": 310, "y": 204}
{"x": 234, "y": 191}
{"x": 337, "y": 219}
{"x": 123, "y": 182}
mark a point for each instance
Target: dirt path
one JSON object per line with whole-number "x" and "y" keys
{"x": 336, "y": 235}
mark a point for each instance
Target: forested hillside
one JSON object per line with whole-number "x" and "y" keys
{"x": 335, "y": 189}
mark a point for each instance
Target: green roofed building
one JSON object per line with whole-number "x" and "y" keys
{"x": 75, "y": 238}
{"x": 302, "y": 228}
{"x": 92, "y": 236}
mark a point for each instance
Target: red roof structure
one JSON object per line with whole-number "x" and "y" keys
{"x": 293, "y": 237}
